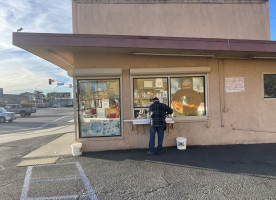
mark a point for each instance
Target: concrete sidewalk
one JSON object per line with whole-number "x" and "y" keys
{"x": 58, "y": 147}
{"x": 36, "y": 133}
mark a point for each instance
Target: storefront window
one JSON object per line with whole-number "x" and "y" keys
{"x": 99, "y": 107}
{"x": 144, "y": 90}
{"x": 188, "y": 96}
{"x": 269, "y": 85}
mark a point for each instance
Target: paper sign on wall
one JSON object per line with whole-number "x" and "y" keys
{"x": 234, "y": 84}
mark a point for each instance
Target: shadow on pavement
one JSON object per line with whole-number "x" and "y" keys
{"x": 250, "y": 159}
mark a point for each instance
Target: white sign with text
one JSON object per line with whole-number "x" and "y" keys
{"x": 234, "y": 84}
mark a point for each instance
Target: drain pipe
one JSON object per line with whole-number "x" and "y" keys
{"x": 221, "y": 90}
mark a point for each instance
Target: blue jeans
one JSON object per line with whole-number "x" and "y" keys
{"x": 160, "y": 134}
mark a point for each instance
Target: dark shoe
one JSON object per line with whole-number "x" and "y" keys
{"x": 161, "y": 152}
{"x": 150, "y": 153}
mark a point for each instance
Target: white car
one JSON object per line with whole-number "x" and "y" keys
{"x": 56, "y": 105}
{"x": 6, "y": 116}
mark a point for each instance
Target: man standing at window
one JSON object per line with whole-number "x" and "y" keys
{"x": 158, "y": 112}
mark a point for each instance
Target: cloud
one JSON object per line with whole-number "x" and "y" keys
{"x": 49, "y": 16}
{"x": 20, "y": 70}
{"x": 29, "y": 72}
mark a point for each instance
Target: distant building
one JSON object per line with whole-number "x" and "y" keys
{"x": 18, "y": 98}
{"x": 12, "y": 98}
{"x": 29, "y": 96}
{"x": 64, "y": 95}
{"x": 1, "y": 92}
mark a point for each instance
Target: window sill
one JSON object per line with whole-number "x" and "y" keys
{"x": 100, "y": 138}
{"x": 146, "y": 121}
{"x": 191, "y": 119}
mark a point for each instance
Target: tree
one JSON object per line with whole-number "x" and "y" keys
{"x": 38, "y": 95}
{"x": 51, "y": 95}
{"x": 26, "y": 103}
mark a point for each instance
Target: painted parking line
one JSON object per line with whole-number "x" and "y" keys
{"x": 61, "y": 117}
{"x": 28, "y": 180}
{"x": 71, "y": 121}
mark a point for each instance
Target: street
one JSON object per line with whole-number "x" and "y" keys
{"x": 44, "y": 118}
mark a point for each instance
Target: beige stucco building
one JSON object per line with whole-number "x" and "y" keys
{"x": 212, "y": 61}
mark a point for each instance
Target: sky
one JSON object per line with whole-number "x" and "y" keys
{"x": 21, "y": 71}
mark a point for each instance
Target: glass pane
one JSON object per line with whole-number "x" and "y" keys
{"x": 188, "y": 96}
{"x": 99, "y": 107}
{"x": 141, "y": 114}
{"x": 269, "y": 85}
{"x": 147, "y": 88}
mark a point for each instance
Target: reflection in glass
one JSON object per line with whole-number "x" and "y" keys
{"x": 188, "y": 96}
{"x": 269, "y": 85}
{"x": 99, "y": 107}
{"x": 147, "y": 88}
{"x": 141, "y": 114}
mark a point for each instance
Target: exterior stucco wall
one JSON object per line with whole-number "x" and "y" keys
{"x": 202, "y": 20}
{"x": 234, "y": 118}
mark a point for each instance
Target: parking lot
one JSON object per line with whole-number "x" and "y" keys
{"x": 200, "y": 172}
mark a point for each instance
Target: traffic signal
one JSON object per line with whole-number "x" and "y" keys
{"x": 51, "y": 81}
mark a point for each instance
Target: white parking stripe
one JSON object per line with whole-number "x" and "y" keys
{"x": 86, "y": 182}
{"x": 91, "y": 194}
{"x": 43, "y": 126}
{"x": 26, "y": 184}
{"x": 55, "y": 179}
{"x": 61, "y": 197}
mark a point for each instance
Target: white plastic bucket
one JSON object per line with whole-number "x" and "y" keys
{"x": 76, "y": 149}
{"x": 181, "y": 143}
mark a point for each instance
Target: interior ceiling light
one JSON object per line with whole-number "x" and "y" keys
{"x": 176, "y": 55}
{"x": 60, "y": 58}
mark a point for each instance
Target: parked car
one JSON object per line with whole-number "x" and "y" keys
{"x": 6, "y": 116}
{"x": 19, "y": 109}
{"x": 56, "y": 105}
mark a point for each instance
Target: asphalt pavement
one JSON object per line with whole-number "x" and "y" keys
{"x": 44, "y": 118}
{"x": 199, "y": 172}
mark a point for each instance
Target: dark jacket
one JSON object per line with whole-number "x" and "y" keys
{"x": 158, "y": 113}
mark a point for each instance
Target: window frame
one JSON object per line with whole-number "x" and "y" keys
{"x": 206, "y": 92}
{"x": 205, "y": 95}
{"x": 263, "y": 86}
{"x": 79, "y": 133}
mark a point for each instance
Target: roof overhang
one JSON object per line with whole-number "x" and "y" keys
{"x": 59, "y": 49}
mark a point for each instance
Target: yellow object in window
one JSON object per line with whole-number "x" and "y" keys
{"x": 112, "y": 112}
{"x": 194, "y": 100}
